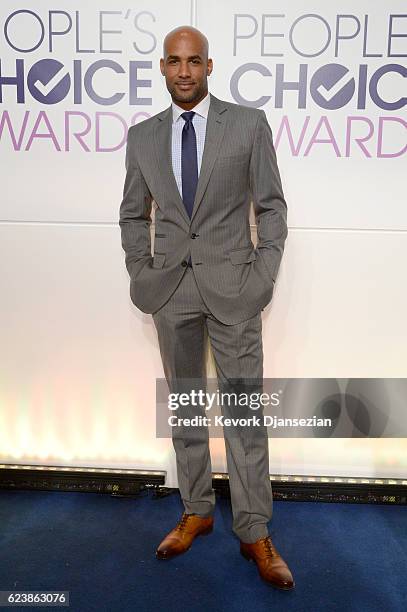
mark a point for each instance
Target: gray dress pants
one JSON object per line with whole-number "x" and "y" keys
{"x": 183, "y": 324}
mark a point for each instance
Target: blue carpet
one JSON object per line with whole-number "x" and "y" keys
{"x": 343, "y": 556}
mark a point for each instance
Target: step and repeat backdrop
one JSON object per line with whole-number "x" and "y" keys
{"x": 79, "y": 363}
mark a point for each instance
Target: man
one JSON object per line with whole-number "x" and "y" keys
{"x": 202, "y": 161}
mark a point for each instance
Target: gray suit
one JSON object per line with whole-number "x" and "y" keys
{"x": 223, "y": 294}
{"x": 239, "y": 163}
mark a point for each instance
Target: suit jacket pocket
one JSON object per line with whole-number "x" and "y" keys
{"x": 238, "y": 158}
{"x": 240, "y": 256}
{"x": 158, "y": 260}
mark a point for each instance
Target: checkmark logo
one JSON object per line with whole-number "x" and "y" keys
{"x": 330, "y": 92}
{"x": 331, "y": 86}
{"x": 46, "y": 88}
{"x": 48, "y": 81}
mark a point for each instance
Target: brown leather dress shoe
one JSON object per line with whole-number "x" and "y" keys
{"x": 272, "y": 567}
{"x": 179, "y": 540}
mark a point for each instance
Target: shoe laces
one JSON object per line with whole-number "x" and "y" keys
{"x": 183, "y": 522}
{"x": 269, "y": 547}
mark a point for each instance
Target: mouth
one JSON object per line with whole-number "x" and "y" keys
{"x": 184, "y": 85}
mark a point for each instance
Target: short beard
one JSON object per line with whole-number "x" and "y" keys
{"x": 189, "y": 96}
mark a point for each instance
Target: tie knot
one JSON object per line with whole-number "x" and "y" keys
{"x": 187, "y": 116}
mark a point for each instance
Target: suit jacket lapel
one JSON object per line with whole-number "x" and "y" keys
{"x": 215, "y": 128}
{"x": 163, "y": 137}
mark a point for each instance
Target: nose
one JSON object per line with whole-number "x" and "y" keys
{"x": 184, "y": 70}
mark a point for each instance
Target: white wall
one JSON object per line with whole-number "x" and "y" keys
{"x": 79, "y": 362}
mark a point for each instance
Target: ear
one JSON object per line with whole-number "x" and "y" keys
{"x": 210, "y": 67}
{"x": 162, "y": 66}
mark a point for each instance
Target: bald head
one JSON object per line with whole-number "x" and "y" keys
{"x": 186, "y": 66}
{"x": 183, "y": 33}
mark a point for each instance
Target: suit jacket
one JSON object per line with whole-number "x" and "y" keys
{"x": 239, "y": 165}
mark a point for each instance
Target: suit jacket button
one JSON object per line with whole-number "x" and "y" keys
{"x": 194, "y": 235}
{"x": 184, "y": 264}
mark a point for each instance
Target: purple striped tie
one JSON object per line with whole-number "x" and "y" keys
{"x": 189, "y": 162}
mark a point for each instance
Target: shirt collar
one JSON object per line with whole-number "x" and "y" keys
{"x": 202, "y": 109}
